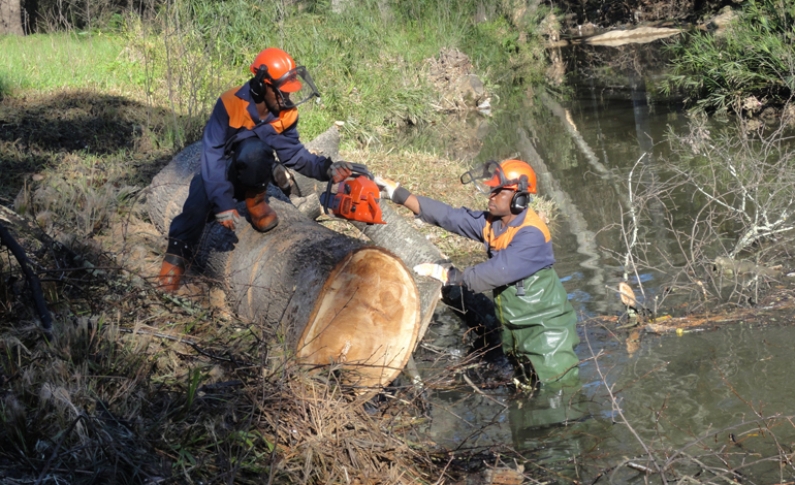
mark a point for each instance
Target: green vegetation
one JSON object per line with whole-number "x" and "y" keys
{"x": 45, "y": 63}
{"x": 754, "y": 57}
{"x": 367, "y": 61}
{"x": 140, "y": 388}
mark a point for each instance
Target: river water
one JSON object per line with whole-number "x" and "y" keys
{"x": 697, "y": 404}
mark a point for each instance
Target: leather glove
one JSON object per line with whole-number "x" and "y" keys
{"x": 448, "y": 276}
{"x": 229, "y": 219}
{"x": 433, "y": 270}
{"x": 387, "y": 186}
{"x": 339, "y": 171}
{"x": 392, "y": 189}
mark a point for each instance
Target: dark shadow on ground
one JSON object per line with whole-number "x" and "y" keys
{"x": 39, "y": 132}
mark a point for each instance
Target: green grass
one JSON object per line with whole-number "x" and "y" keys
{"x": 754, "y": 57}
{"x": 368, "y": 63}
{"x": 64, "y": 60}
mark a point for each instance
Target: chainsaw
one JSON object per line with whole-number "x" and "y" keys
{"x": 356, "y": 198}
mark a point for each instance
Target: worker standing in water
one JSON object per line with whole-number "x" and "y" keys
{"x": 538, "y": 322}
{"x": 248, "y": 124}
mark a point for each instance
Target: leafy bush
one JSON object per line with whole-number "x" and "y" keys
{"x": 755, "y": 57}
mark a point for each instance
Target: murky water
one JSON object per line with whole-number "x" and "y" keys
{"x": 692, "y": 404}
{"x": 686, "y": 399}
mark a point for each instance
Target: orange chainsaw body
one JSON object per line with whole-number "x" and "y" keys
{"x": 357, "y": 200}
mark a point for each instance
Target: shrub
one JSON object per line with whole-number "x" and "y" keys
{"x": 753, "y": 58}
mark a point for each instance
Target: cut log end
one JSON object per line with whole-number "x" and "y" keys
{"x": 366, "y": 317}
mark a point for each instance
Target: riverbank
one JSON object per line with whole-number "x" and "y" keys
{"x": 141, "y": 388}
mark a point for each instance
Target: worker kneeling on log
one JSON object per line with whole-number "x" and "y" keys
{"x": 247, "y": 125}
{"x": 538, "y": 322}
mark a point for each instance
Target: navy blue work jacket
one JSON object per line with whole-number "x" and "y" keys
{"x": 528, "y": 251}
{"x": 236, "y": 112}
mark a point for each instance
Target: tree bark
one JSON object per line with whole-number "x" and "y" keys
{"x": 11, "y": 17}
{"x": 334, "y": 299}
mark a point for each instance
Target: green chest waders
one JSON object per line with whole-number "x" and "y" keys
{"x": 540, "y": 326}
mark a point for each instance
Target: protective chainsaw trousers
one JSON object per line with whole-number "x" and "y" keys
{"x": 250, "y": 171}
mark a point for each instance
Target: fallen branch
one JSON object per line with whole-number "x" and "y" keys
{"x": 7, "y": 240}
{"x": 477, "y": 390}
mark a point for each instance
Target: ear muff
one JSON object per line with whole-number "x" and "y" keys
{"x": 257, "y": 84}
{"x": 519, "y": 202}
{"x": 521, "y": 199}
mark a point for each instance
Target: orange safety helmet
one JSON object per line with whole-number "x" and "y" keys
{"x": 281, "y": 69}
{"x": 292, "y": 83}
{"x": 513, "y": 174}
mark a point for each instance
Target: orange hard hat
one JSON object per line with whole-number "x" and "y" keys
{"x": 513, "y": 174}
{"x": 282, "y": 72}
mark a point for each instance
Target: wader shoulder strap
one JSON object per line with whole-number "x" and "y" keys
{"x": 519, "y": 288}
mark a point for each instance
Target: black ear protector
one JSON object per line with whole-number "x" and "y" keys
{"x": 257, "y": 84}
{"x": 521, "y": 199}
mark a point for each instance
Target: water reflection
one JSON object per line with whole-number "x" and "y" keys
{"x": 645, "y": 402}
{"x": 683, "y": 400}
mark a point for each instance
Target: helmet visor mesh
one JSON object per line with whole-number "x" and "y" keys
{"x": 296, "y": 87}
{"x": 485, "y": 177}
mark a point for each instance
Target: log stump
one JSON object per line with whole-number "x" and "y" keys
{"x": 335, "y": 299}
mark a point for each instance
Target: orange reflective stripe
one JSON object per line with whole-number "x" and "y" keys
{"x": 286, "y": 119}
{"x": 237, "y": 110}
{"x": 239, "y": 117}
{"x": 502, "y": 241}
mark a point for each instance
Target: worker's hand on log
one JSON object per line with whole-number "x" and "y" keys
{"x": 229, "y": 219}
{"x": 392, "y": 189}
{"x": 339, "y": 171}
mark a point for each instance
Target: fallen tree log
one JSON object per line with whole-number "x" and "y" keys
{"x": 397, "y": 235}
{"x": 335, "y": 299}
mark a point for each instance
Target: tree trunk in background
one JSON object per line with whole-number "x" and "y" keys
{"x": 334, "y": 299}
{"x": 11, "y": 17}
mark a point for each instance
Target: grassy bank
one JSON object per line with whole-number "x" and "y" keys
{"x": 368, "y": 61}
{"x": 47, "y": 63}
{"x": 743, "y": 67}
{"x": 138, "y": 388}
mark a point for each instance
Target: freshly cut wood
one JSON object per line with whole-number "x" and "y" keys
{"x": 367, "y": 309}
{"x": 402, "y": 239}
{"x": 335, "y": 299}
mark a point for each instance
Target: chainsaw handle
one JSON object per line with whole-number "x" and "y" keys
{"x": 327, "y": 198}
{"x": 361, "y": 169}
